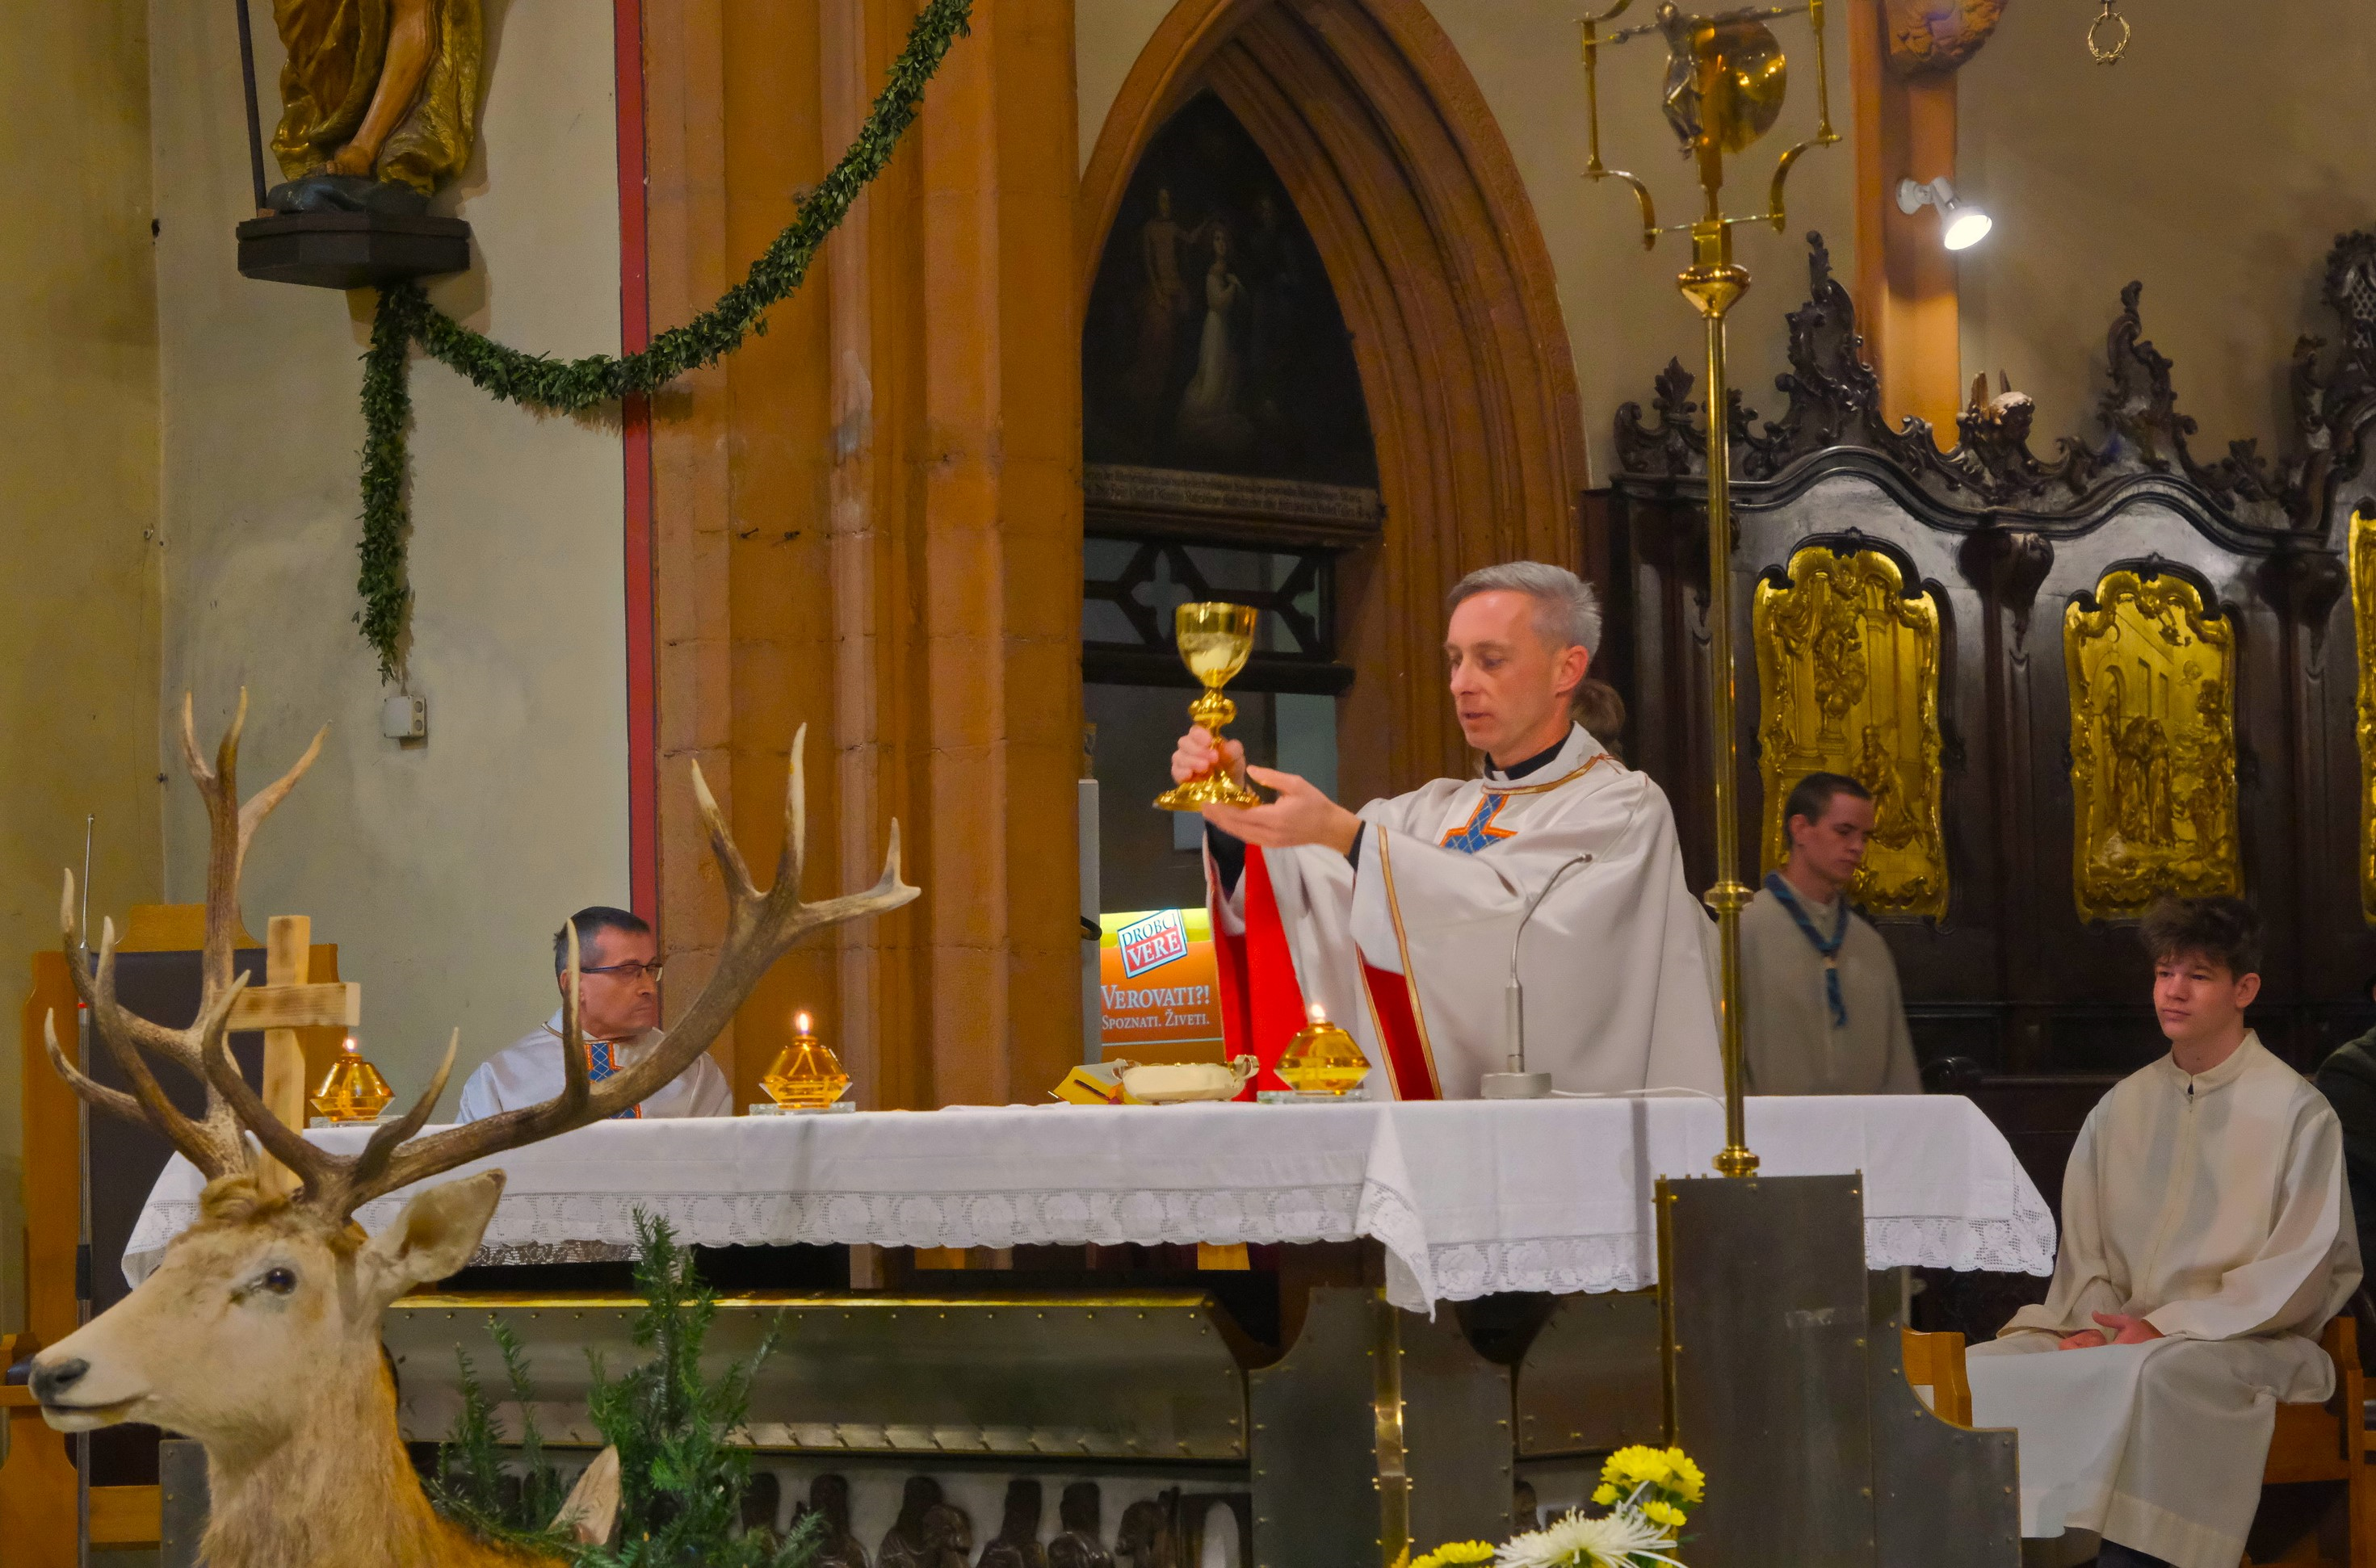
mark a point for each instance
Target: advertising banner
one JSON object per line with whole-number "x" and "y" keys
{"x": 1158, "y": 990}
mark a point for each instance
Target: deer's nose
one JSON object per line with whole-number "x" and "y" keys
{"x": 51, "y": 1385}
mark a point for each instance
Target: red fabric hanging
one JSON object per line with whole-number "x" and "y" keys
{"x": 1262, "y": 1004}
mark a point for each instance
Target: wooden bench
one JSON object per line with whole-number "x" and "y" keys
{"x": 1934, "y": 1365}
{"x": 2324, "y": 1442}
{"x": 2312, "y": 1443}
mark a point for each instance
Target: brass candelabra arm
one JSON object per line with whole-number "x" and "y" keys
{"x": 1825, "y": 135}
{"x": 1593, "y": 169}
{"x": 1747, "y": 14}
{"x": 1651, "y": 230}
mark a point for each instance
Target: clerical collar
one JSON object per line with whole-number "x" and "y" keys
{"x": 1520, "y": 770}
{"x": 632, "y": 1042}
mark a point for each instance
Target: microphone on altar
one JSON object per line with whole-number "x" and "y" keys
{"x": 1517, "y": 1083}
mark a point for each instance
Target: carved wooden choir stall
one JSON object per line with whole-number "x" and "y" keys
{"x": 2072, "y": 684}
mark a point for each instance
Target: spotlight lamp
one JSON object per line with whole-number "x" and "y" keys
{"x": 1961, "y": 225}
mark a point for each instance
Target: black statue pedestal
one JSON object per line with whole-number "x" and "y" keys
{"x": 351, "y": 250}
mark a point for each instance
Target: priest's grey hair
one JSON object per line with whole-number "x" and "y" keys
{"x": 1567, "y": 609}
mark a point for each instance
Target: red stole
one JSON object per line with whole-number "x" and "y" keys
{"x": 1263, "y": 1005}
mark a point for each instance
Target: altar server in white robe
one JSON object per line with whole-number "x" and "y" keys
{"x": 619, "y": 1014}
{"x": 2207, "y": 1241}
{"x": 1398, "y": 920}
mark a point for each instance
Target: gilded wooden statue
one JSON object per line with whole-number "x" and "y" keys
{"x": 379, "y": 100}
{"x": 1848, "y": 670}
{"x": 2153, "y": 747}
{"x": 2363, "y": 621}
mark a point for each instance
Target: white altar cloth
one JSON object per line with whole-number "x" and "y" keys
{"x": 1467, "y": 1197}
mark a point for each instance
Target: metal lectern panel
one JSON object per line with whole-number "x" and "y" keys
{"x": 1763, "y": 1282}
{"x": 1943, "y": 1495}
{"x": 1590, "y": 1381}
{"x": 1316, "y": 1440}
{"x": 1379, "y": 1429}
{"x": 1456, "y": 1441}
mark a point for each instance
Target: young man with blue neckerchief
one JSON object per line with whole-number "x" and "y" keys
{"x": 1821, "y": 1011}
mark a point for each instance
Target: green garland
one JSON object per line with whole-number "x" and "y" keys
{"x": 568, "y": 387}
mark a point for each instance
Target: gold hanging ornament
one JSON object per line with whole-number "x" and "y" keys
{"x": 2108, "y": 35}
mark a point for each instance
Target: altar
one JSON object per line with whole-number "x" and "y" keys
{"x": 1465, "y": 1198}
{"x": 1266, "y": 1331}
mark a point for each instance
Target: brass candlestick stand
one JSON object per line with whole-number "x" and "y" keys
{"x": 1726, "y": 81}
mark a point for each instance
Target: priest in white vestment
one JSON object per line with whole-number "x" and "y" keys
{"x": 619, "y": 1014}
{"x": 2206, "y": 1242}
{"x": 1398, "y": 920}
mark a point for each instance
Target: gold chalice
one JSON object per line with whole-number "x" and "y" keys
{"x": 1214, "y": 642}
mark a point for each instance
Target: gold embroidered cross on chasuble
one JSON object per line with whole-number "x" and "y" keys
{"x": 2152, "y": 746}
{"x": 1847, "y": 677}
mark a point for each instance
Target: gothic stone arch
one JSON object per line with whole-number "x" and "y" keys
{"x": 1387, "y": 146}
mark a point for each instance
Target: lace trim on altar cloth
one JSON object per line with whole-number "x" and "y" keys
{"x": 1572, "y": 1264}
{"x": 597, "y": 1227}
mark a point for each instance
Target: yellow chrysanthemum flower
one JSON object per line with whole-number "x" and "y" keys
{"x": 1689, "y": 1480}
{"x": 1636, "y": 1465}
{"x": 1660, "y": 1512}
{"x": 1453, "y": 1554}
{"x": 1606, "y": 1495}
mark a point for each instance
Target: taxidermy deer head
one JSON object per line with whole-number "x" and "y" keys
{"x": 260, "y": 1332}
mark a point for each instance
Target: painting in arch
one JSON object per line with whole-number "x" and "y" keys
{"x": 1227, "y": 454}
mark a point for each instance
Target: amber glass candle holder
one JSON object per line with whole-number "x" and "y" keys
{"x": 1323, "y": 1059}
{"x": 806, "y": 1075}
{"x": 352, "y": 1089}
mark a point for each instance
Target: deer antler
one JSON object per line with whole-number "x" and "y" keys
{"x": 760, "y": 928}
{"x": 214, "y": 1142}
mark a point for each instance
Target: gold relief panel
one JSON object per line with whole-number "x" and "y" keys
{"x": 1847, "y": 675}
{"x": 2363, "y": 622}
{"x": 2153, "y": 745}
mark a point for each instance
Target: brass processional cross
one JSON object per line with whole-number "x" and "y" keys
{"x": 284, "y": 1003}
{"x": 1726, "y": 81}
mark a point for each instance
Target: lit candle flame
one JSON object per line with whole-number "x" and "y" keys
{"x": 801, "y": 1022}
{"x": 1319, "y": 1013}
{"x": 352, "y": 1048}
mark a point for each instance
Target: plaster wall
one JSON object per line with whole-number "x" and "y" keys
{"x": 1623, "y": 318}
{"x": 440, "y": 868}
{"x": 77, "y": 500}
{"x": 2216, "y": 163}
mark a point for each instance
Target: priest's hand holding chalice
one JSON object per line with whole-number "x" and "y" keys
{"x": 1209, "y": 774}
{"x": 1215, "y": 642}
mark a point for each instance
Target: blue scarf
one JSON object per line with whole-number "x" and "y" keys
{"x": 1830, "y": 950}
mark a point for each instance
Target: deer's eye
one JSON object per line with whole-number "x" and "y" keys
{"x": 279, "y": 1281}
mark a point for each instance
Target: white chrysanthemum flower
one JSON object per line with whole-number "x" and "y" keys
{"x": 1575, "y": 1542}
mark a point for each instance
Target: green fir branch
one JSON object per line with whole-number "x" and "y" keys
{"x": 681, "y": 1477}
{"x": 682, "y": 1474}
{"x": 568, "y": 387}
{"x": 510, "y": 1503}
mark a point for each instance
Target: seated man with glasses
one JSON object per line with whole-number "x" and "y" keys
{"x": 618, "y": 1012}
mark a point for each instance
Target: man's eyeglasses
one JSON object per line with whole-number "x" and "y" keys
{"x": 626, "y": 971}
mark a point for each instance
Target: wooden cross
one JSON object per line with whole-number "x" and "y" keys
{"x": 280, "y": 1007}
